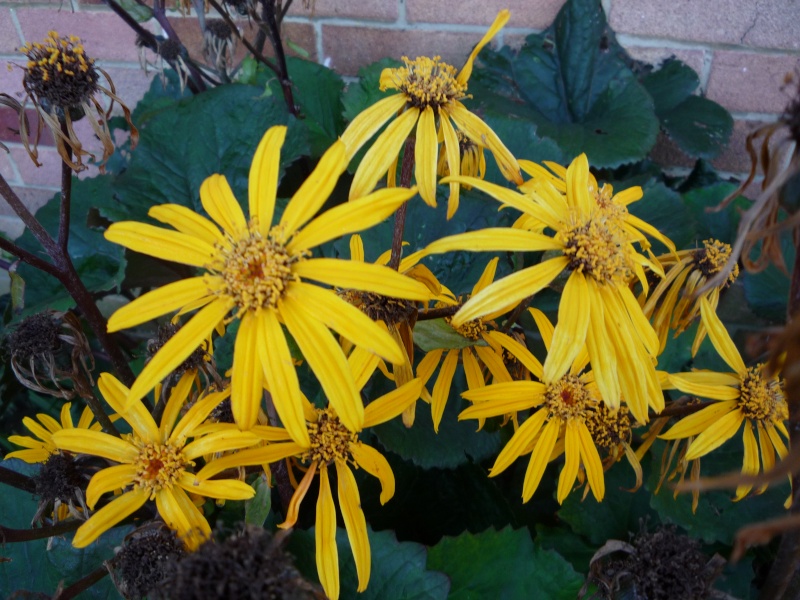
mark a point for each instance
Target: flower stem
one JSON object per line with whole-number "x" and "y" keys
{"x": 83, "y": 584}
{"x": 9, "y": 535}
{"x": 66, "y": 194}
{"x": 406, "y": 171}
{"x": 17, "y": 480}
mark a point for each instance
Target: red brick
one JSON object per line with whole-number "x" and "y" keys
{"x": 9, "y": 38}
{"x": 666, "y": 153}
{"x": 11, "y": 80}
{"x": 48, "y": 175}
{"x": 735, "y": 158}
{"x": 9, "y": 126}
{"x": 190, "y": 35}
{"x": 655, "y": 56}
{"x": 745, "y": 81}
{"x": 353, "y": 47}
{"x": 536, "y": 14}
{"x": 130, "y": 85}
{"x": 775, "y": 25}
{"x": 351, "y": 9}
{"x": 105, "y": 36}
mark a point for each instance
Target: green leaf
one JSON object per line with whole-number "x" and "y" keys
{"x": 40, "y": 566}
{"x": 257, "y": 509}
{"x": 720, "y": 225}
{"x": 700, "y": 126}
{"x": 140, "y": 12}
{"x": 436, "y": 333}
{"x": 662, "y": 207}
{"x": 398, "y": 568}
{"x": 568, "y": 544}
{"x": 573, "y": 82}
{"x": 767, "y": 292}
{"x": 670, "y": 85}
{"x": 360, "y": 96}
{"x": 503, "y": 564}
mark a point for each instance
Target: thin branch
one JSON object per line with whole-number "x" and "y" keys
{"x": 66, "y": 195}
{"x": 516, "y": 314}
{"x": 36, "y": 228}
{"x": 250, "y": 47}
{"x": 27, "y": 257}
{"x": 10, "y": 536}
{"x": 437, "y": 313}
{"x": 406, "y": 172}
{"x": 17, "y": 480}
{"x": 83, "y": 584}
{"x": 268, "y": 15}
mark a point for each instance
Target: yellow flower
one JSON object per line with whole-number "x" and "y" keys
{"x": 686, "y": 272}
{"x": 261, "y": 272}
{"x": 332, "y": 443}
{"x": 154, "y": 463}
{"x": 563, "y": 409}
{"x": 485, "y": 350}
{"x": 746, "y": 396}
{"x": 427, "y": 88}
{"x": 39, "y": 450}
{"x": 597, "y": 308}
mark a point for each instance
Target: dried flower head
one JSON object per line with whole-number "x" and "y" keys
{"x": 147, "y": 559}
{"x": 63, "y": 84}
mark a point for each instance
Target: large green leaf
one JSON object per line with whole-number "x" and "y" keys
{"x": 720, "y": 225}
{"x": 670, "y": 85}
{"x": 398, "y": 568}
{"x": 503, "y": 564}
{"x": 767, "y": 292}
{"x": 214, "y": 132}
{"x": 41, "y": 567}
{"x": 662, "y": 207}
{"x": 573, "y": 82}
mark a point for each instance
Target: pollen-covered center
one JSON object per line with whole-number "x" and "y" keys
{"x": 472, "y": 330}
{"x": 761, "y": 398}
{"x": 256, "y": 270}
{"x": 428, "y": 82}
{"x": 330, "y": 439}
{"x": 594, "y": 250}
{"x": 59, "y": 72}
{"x": 609, "y": 428}
{"x": 568, "y": 398}
{"x": 158, "y": 466}
{"x": 711, "y": 258}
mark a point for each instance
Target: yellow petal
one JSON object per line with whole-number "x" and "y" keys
{"x": 577, "y": 186}
{"x": 187, "y": 221}
{"x": 346, "y": 320}
{"x": 601, "y": 354}
{"x": 502, "y": 399}
{"x": 641, "y": 325}
{"x": 31, "y": 456}
{"x": 166, "y": 244}
{"x": 193, "y": 333}
{"x": 499, "y": 21}
{"x": 569, "y": 336}
{"x": 220, "y": 441}
{"x": 354, "y": 522}
{"x": 750, "y": 463}
{"x": 441, "y": 390}
{"x": 539, "y": 458}
{"x": 362, "y": 365}
{"x": 108, "y": 516}
{"x": 715, "y": 435}
{"x": 247, "y": 390}
{"x": 315, "y": 189}
{"x": 177, "y": 398}
{"x": 251, "y": 457}
{"x": 217, "y": 198}
{"x": 376, "y": 465}
{"x": 593, "y": 464}
{"x": 326, "y": 359}
{"x": 224, "y": 489}
{"x": 481, "y": 134}
{"x": 643, "y": 226}
{"x": 545, "y": 327}
{"x": 390, "y": 405}
{"x": 49, "y": 422}
{"x": 704, "y": 390}
{"x": 97, "y": 443}
{"x": 108, "y": 480}
{"x": 720, "y": 338}
{"x": 426, "y": 156}
{"x": 362, "y": 276}
{"x": 293, "y": 511}
{"x": 196, "y": 414}
{"x": 349, "y": 217}
{"x": 699, "y": 421}
{"x": 510, "y": 290}
{"x": 263, "y": 178}
{"x": 520, "y": 352}
{"x": 518, "y": 443}
{"x": 280, "y": 374}
{"x": 369, "y": 121}
{"x": 326, "y": 553}
{"x": 472, "y": 370}
{"x": 177, "y": 515}
{"x": 453, "y": 152}
{"x": 572, "y": 461}
{"x": 493, "y": 359}
{"x": 383, "y": 152}
{"x": 135, "y": 413}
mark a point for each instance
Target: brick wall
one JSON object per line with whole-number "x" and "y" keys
{"x": 742, "y": 49}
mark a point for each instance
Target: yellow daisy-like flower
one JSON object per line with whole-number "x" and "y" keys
{"x": 155, "y": 463}
{"x": 562, "y": 414}
{"x": 332, "y": 444}
{"x": 485, "y": 350}
{"x": 746, "y": 396}
{"x": 597, "y": 308}
{"x": 39, "y": 450}
{"x": 427, "y": 89}
{"x": 261, "y": 272}
{"x": 673, "y": 302}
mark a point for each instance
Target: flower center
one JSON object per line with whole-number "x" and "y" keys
{"x": 428, "y": 82}
{"x": 471, "y": 330}
{"x": 256, "y": 269}
{"x": 158, "y": 466}
{"x": 567, "y": 398}
{"x": 761, "y": 398}
{"x": 330, "y": 439}
{"x": 380, "y": 308}
{"x": 609, "y": 429}
{"x": 58, "y": 72}
{"x": 594, "y": 250}
{"x": 710, "y": 259}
